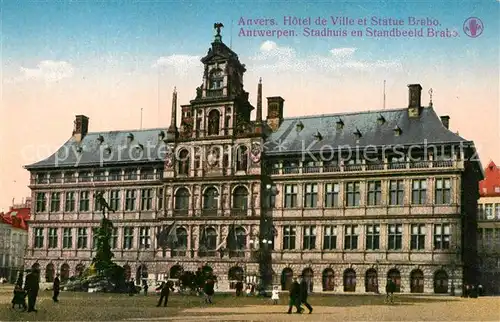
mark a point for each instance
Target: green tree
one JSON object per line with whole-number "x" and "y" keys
{"x": 103, "y": 259}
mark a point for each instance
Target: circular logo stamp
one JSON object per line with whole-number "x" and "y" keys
{"x": 473, "y": 27}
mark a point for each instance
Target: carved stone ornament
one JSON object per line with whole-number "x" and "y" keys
{"x": 212, "y": 158}
{"x": 169, "y": 160}
{"x": 255, "y": 152}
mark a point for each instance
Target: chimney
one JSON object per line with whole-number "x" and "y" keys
{"x": 173, "y": 120}
{"x": 414, "y": 100}
{"x": 275, "y": 112}
{"x": 259, "y": 101}
{"x": 446, "y": 121}
{"x": 81, "y": 127}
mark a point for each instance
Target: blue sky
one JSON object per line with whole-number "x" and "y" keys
{"x": 72, "y": 31}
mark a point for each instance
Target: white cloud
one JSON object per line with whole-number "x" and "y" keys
{"x": 47, "y": 71}
{"x": 182, "y": 64}
{"x": 277, "y": 58}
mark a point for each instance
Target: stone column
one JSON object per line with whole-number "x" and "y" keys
{"x": 319, "y": 237}
{"x": 406, "y": 237}
{"x": 362, "y": 192}
{"x": 428, "y": 236}
{"x": 384, "y": 236}
{"x": 340, "y": 239}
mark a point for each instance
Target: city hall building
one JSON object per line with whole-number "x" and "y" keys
{"x": 347, "y": 200}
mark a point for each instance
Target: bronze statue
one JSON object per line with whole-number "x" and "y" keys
{"x": 218, "y": 26}
{"x": 99, "y": 199}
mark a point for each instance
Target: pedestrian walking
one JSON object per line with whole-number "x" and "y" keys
{"x": 145, "y": 287}
{"x": 31, "y": 286}
{"x": 208, "y": 289}
{"x": 19, "y": 298}
{"x": 294, "y": 297}
{"x": 390, "y": 288}
{"x": 164, "y": 289}
{"x": 56, "y": 288}
{"x": 304, "y": 292}
{"x": 239, "y": 288}
{"x": 275, "y": 297}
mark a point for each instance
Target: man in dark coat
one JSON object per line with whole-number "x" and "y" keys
{"x": 56, "y": 288}
{"x": 304, "y": 293}
{"x": 390, "y": 288}
{"x": 164, "y": 289}
{"x": 294, "y": 297}
{"x": 31, "y": 287}
{"x": 208, "y": 289}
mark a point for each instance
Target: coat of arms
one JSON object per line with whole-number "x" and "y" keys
{"x": 255, "y": 152}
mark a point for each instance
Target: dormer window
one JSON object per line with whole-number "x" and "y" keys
{"x": 100, "y": 139}
{"x": 318, "y": 136}
{"x": 397, "y": 131}
{"x": 381, "y": 119}
{"x": 216, "y": 79}
{"x": 357, "y": 134}
{"x": 130, "y": 137}
{"x": 299, "y": 127}
{"x": 340, "y": 124}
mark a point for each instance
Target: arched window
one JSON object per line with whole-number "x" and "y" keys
{"x": 395, "y": 276}
{"x": 210, "y": 200}
{"x": 64, "y": 272}
{"x": 35, "y": 267}
{"x": 208, "y": 242}
{"x": 240, "y": 198}
{"x": 183, "y": 162}
{"x": 216, "y": 79}
{"x": 213, "y": 122}
{"x": 49, "y": 273}
{"x": 308, "y": 276}
{"x": 181, "y": 200}
{"x": 235, "y": 275}
{"x": 141, "y": 273}
{"x": 182, "y": 241}
{"x": 371, "y": 281}
{"x": 416, "y": 281}
{"x": 349, "y": 280}
{"x": 328, "y": 280}
{"x": 175, "y": 271}
{"x": 237, "y": 241}
{"x": 440, "y": 282}
{"x": 286, "y": 279}
{"x": 242, "y": 158}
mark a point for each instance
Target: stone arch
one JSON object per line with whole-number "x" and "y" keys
{"x": 127, "y": 272}
{"x": 395, "y": 276}
{"x": 416, "y": 281}
{"x": 214, "y": 122}
{"x": 371, "y": 280}
{"x": 328, "y": 279}
{"x": 240, "y": 197}
{"x": 50, "y": 272}
{"x": 35, "y": 267}
{"x": 236, "y": 273}
{"x": 141, "y": 273}
{"x": 64, "y": 272}
{"x": 183, "y": 161}
{"x": 286, "y": 278}
{"x": 182, "y": 195}
{"x": 308, "y": 276}
{"x": 175, "y": 271}
{"x": 211, "y": 198}
{"x": 207, "y": 270}
{"x": 349, "y": 280}
{"x": 440, "y": 282}
{"x": 79, "y": 269}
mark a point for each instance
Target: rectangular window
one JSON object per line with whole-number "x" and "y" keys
{"x": 442, "y": 236}
{"x": 351, "y": 234}
{"x": 332, "y": 195}
{"x": 311, "y": 195}
{"x": 81, "y": 238}
{"x": 97, "y": 205}
{"x": 114, "y": 238}
{"x": 396, "y": 192}
{"x": 419, "y": 192}
{"x": 330, "y": 238}
{"x": 289, "y": 234}
{"x": 100, "y": 176}
{"x": 128, "y": 237}
{"x": 443, "y": 191}
{"x": 488, "y": 211}
{"x": 38, "y": 242}
{"x": 115, "y": 175}
{"x": 84, "y": 176}
{"x": 55, "y": 202}
{"x": 67, "y": 238}
{"x": 144, "y": 238}
{"x": 52, "y": 237}
{"x": 417, "y": 237}
{"x": 497, "y": 211}
{"x": 114, "y": 200}
{"x": 130, "y": 200}
{"x": 290, "y": 195}
{"x": 395, "y": 233}
{"x": 309, "y": 238}
{"x": 373, "y": 237}
{"x": 159, "y": 199}
{"x": 41, "y": 202}
{"x": 146, "y": 199}
{"x": 352, "y": 194}
{"x": 84, "y": 201}
{"x": 69, "y": 204}
{"x": 130, "y": 174}
{"x": 374, "y": 193}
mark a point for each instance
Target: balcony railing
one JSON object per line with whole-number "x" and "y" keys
{"x": 238, "y": 212}
{"x": 214, "y": 92}
{"x": 207, "y": 253}
{"x": 96, "y": 178}
{"x": 180, "y": 212}
{"x": 209, "y": 212}
{"x": 373, "y": 166}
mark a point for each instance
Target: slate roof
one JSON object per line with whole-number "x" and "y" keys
{"x": 413, "y": 131}
{"x": 135, "y": 146}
